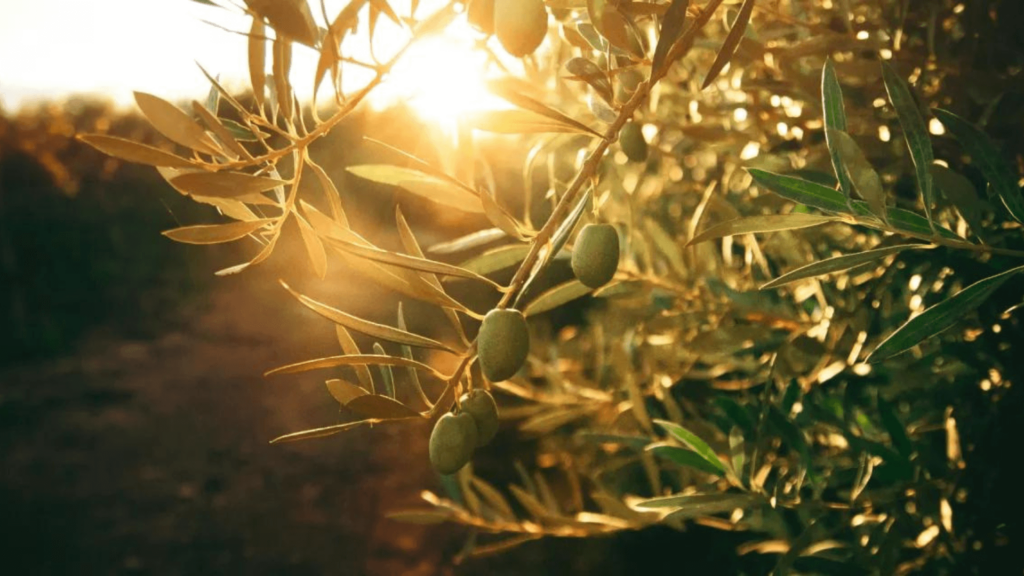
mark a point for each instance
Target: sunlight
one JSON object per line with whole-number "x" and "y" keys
{"x": 441, "y": 78}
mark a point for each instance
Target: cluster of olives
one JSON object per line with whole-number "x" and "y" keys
{"x": 456, "y": 436}
{"x": 502, "y": 346}
{"x": 520, "y": 25}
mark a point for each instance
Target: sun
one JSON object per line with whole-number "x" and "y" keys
{"x": 441, "y": 77}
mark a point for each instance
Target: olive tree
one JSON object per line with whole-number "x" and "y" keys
{"x": 787, "y": 270}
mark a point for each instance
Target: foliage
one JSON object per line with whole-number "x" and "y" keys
{"x": 803, "y": 256}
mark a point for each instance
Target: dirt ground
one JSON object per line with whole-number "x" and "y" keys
{"x": 152, "y": 457}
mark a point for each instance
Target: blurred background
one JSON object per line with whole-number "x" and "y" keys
{"x": 134, "y": 420}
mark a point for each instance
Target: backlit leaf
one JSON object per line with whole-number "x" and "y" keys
{"x": 835, "y": 119}
{"x": 387, "y": 376}
{"x": 177, "y": 126}
{"x": 350, "y": 348}
{"x": 940, "y": 317}
{"x": 314, "y": 247}
{"x": 865, "y": 179}
{"x": 801, "y": 191}
{"x": 344, "y": 392}
{"x": 130, "y": 151}
{"x": 224, "y": 184}
{"x": 421, "y": 184}
{"x": 988, "y": 158}
{"x": 557, "y": 296}
{"x": 497, "y": 259}
{"x": 215, "y": 233}
{"x": 319, "y": 432}
{"x": 684, "y": 457}
{"x": 366, "y": 327}
{"x": 405, "y": 261}
{"x": 732, "y": 41}
{"x": 586, "y": 71}
{"x": 348, "y": 360}
{"x": 670, "y": 32}
{"x": 381, "y": 407}
{"x": 695, "y": 443}
{"x": 762, "y": 224}
{"x": 507, "y": 89}
{"x": 258, "y": 59}
{"x": 289, "y": 17}
{"x": 838, "y": 264}
{"x": 915, "y": 132}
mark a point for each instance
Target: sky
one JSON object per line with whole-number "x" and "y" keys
{"x": 53, "y": 48}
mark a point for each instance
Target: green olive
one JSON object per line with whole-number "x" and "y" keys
{"x": 481, "y": 406}
{"x": 481, "y": 15}
{"x": 595, "y": 256}
{"x": 520, "y": 25}
{"x": 452, "y": 442}
{"x": 633, "y": 143}
{"x": 502, "y": 344}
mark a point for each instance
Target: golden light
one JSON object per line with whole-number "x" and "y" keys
{"x": 442, "y": 77}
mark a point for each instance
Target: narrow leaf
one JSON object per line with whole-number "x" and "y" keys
{"x": 838, "y": 264}
{"x": 585, "y": 70}
{"x": 347, "y": 360}
{"x": 350, "y": 348}
{"x": 215, "y": 233}
{"x": 421, "y": 184}
{"x": 318, "y": 432}
{"x": 865, "y": 179}
{"x": 344, "y": 392}
{"x": 497, "y": 259}
{"x": 670, "y": 32}
{"x": 989, "y": 159}
{"x": 387, "y": 376}
{"x": 218, "y": 128}
{"x": 381, "y": 407}
{"x": 177, "y": 126}
{"x": 835, "y": 119}
{"x": 405, "y": 261}
{"x": 314, "y": 247}
{"x": 366, "y": 327}
{"x": 258, "y": 59}
{"x": 801, "y": 191}
{"x": 130, "y": 151}
{"x": 732, "y": 41}
{"x": 696, "y": 444}
{"x": 224, "y": 184}
{"x": 506, "y": 89}
{"x": 684, "y": 457}
{"x": 762, "y": 224}
{"x": 557, "y": 296}
{"x": 915, "y": 132}
{"x": 940, "y": 317}
{"x": 289, "y": 17}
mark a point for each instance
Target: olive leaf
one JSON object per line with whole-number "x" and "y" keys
{"x": 762, "y": 224}
{"x": 421, "y": 184}
{"x": 350, "y": 348}
{"x": 258, "y": 59}
{"x": 506, "y": 89}
{"x": 234, "y": 149}
{"x": 515, "y": 122}
{"x": 914, "y": 132}
{"x": 319, "y": 432}
{"x": 366, "y": 327}
{"x": 314, "y": 247}
{"x": 496, "y": 259}
{"x": 344, "y": 392}
{"x": 351, "y": 360}
{"x": 387, "y": 376}
{"x": 381, "y": 407}
{"x": 801, "y": 191}
{"x": 838, "y": 264}
{"x": 683, "y": 457}
{"x": 215, "y": 233}
{"x": 862, "y": 175}
{"x": 586, "y": 71}
{"x": 176, "y": 125}
{"x": 690, "y": 439}
{"x": 289, "y": 17}
{"x": 940, "y": 317}
{"x": 732, "y": 41}
{"x": 987, "y": 156}
{"x": 131, "y": 151}
{"x": 471, "y": 240}
{"x": 555, "y": 297}
{"x": 835, "y": 119}
{"x": 406, "y": 261}
{"x": 962, "y": 193}
{"x": 224, "y": 184}
{"x": 670, "y": 32}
